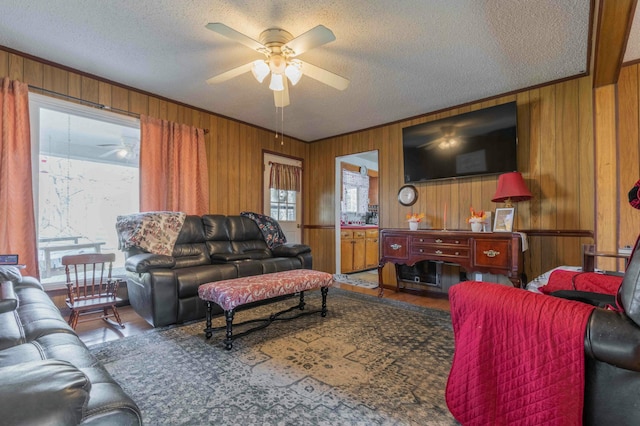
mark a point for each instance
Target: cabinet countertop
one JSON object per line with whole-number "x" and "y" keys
{"x": 358, "y": 226}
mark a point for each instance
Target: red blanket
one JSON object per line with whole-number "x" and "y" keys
{"x": 583, "y": 281}
{"x": 519, "y": 357}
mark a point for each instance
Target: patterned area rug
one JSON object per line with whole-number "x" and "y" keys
{"x": 354, "y": 280}
{"x": 370, "y": 361}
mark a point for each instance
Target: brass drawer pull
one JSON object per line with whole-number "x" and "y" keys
{"x": 457, "y": 253}
{"x": 438, "y": 251}
{"x": 421, "y": 250}
{"x": 395, "y": 246}
{"x": 457, "y": 242}
{"x": 491, "y": 253}
{"x": 421, "y": 240}
{"x": 438, "y": 240}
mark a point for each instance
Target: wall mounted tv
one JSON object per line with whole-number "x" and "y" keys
{"x": 476, "y": 143}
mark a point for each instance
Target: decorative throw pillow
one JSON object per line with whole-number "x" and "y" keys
{"x": 270, "y": 228}
{"x": 153, "y": 232}
{"x": 634, "y": 196}
{"x": 10, "y": 273}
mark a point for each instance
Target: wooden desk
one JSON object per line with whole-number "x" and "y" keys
{"x": 488, "y": 252}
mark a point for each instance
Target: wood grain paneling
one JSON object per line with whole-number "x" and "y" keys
{"x": 555, "y": 156}
{"x": 234, "y": 149}
{"x": 567, "y": 165}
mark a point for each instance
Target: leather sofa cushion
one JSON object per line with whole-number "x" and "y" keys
{"x": 243, "y": 229}
{"x": 35, "y": 316}
{"x": 290, "y": 250}
{"x": 215, "y": 227}
{"x": 43, "y": 392}
{"x": 8, "y": 298}
{"x": 188, "y": 255}
{"x": 629, "y": 292}
{"x": 192, "y": 231}
{"x": 143, "y": 262}
{"x": 188, "y": 279}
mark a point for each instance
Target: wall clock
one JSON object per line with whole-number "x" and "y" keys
{"x": 408, "y": 195}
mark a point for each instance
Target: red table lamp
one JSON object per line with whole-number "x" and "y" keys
{"x": 511, "y": 187}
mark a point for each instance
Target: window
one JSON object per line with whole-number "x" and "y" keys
{"x": 85, "y": 166}
{"x": 355, "y": 192}
{"x": 283, "y": 205}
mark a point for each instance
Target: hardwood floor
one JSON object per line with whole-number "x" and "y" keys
{"x": 94, "y": 332}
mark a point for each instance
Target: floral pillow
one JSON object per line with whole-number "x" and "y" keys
{"x": 153, "y": 232}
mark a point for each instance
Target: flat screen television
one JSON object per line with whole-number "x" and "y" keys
{"x": 482, "y": 142}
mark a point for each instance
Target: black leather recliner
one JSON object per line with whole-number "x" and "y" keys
{"x": 612, "y": 349}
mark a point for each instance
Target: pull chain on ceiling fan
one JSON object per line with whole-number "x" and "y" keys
{"x": 280, "y": 49}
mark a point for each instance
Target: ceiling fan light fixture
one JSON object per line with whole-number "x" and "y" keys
{"x": 294, "y": 71}
{"x": 277, "y": 82}
{"x": 260, "y": 70}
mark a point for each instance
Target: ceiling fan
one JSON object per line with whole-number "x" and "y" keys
{"x": 123, "y": 150}
{"x": 280, "y": 49}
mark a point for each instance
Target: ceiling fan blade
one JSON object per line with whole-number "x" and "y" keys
{"x": 281, "y": 98}
{"x": 324, "y": 76}
{"x": 234, "y": 35}
{"x": 228, "y": 75}
{"x": 315, "y": 37}
{"x": 113, "y": 151}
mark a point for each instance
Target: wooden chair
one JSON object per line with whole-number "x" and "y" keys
{"x": 91, "y": 288}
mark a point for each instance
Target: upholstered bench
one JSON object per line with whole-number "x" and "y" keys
{"x": 230, "y": 294}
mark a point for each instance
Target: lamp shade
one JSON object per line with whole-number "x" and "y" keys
{"x": 260, "y": 70}
{"x": 511, "y": 187}
{"x": 277, "y": 83}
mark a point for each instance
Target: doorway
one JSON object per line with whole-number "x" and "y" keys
{"x": 356, "y": 199}
{"x": 284, "y": 206}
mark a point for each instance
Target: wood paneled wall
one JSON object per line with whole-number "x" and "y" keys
{"x": 618, "y": 160}
{"x": 566, "y": 165}
{"x": 234, "y": 149}
{"x": 555, "y": 156}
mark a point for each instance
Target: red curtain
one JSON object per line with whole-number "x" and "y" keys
{"x": 17, "y": 217}
{"x": 173, "y": 167}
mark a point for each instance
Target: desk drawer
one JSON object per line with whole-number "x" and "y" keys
{"x": 438, "y": 250}
{"x": 439, "y": 240}
{"x": 492, "y": 253}
{"x": 395, "y": 247}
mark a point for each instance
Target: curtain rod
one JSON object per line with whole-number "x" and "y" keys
{"x": 91, "y": 103}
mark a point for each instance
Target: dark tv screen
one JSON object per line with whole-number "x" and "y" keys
{"x": 476, "y": 143}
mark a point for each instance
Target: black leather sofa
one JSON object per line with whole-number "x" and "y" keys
{"x": 164, "y": 289}
{"x": 47, "y": 375}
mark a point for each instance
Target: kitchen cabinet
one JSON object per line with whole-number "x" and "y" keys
{"x": 372, "y": 256}
{"x": 352, "y": 250}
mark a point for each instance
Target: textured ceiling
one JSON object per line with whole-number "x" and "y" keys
{"x": 403, "y": 58}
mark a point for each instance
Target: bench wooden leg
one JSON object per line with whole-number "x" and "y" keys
{"x": 228, "y": 342}
{"x": 301, "y": 304}
{"x": 207, "y": 331}
{"x": 324, "y": 291}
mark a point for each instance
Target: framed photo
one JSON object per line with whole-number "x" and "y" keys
{"x": 504, "y": 220}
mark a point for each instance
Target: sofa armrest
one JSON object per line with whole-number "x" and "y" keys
{"x": 228, "y": 257}
{"x": 143, "y": 262}
{"x": 8, "y": 298}
{"x": 613, "y": 338}
{"x": 43, "y": 392}
{"x": 290, "y": 250}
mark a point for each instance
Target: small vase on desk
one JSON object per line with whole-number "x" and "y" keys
{"x": 413, "y": 226}
{"x": 476, "y": 226}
